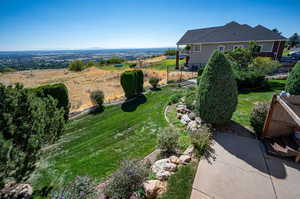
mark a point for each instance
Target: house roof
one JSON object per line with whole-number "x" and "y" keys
{"x": 231, "y": 32}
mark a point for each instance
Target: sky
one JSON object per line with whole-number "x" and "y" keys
{"x": 84, "y": 24}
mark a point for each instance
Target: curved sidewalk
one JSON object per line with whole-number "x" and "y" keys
{"x": 240, "y": 169}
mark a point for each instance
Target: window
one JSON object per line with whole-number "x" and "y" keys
{"x": 237, "y": 46}
{"x": 221, "y": 48}
{"x": 196, "y": 48}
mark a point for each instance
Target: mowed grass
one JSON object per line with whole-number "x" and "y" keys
{"x": 165, "y": 64}
{"x": 95, "y": 144}
{"x": 246, "y": 101}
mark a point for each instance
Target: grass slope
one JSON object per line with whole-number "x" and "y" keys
{"x": 246, "y": 101}
{"x": 95, "y": 144}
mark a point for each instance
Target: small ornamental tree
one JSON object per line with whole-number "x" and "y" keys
{"x": 27, "y": 122}
{"x": 293, "y": 81}
{"x": 153, "y": 81}
{"x": 97, "y": 98}
{"x": 217, "y": 91}
{"x": 128, "y": 83}
{"x": 58, "y": 92}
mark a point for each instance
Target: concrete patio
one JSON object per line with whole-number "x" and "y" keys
{"x": 239, "y": 168}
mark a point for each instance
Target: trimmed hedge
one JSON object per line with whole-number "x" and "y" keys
{"x": 132, "y": 83}
{"x": 139, "y": 81}
{"x": 58, "y": 92}
{"x": 217, "y": 91}
{"x": 293, "y": 81}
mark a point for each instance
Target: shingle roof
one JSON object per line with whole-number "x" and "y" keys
{"x": 229, "y": 32}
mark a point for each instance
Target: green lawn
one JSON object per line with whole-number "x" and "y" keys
{"x": 94, "y": 145}
{"x": 247, "y": 100}
{"x": 162, "y": 65}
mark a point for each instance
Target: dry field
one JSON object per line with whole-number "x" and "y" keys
{"x": 80, "y": 84}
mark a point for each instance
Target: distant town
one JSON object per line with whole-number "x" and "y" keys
{"x": 28, "y": 60}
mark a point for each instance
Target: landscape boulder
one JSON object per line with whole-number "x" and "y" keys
{"x": 15, "y": 191}
{"x": 179, "y": 115}
{"x": 192, "y": 126}
{"x": 189, "y": 150}
{"x": 185, "y": 119}
{"x": 184, "y": 159}
{"x": 163, "y": 168}
{"x": 154, "y": 188}
{"x": 174, "y": 159}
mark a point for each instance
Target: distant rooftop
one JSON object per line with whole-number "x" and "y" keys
{"x": 232, "y": 31}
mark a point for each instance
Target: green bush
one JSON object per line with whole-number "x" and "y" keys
{"x": 128, "y": 84}
{"x": 97, "y": 98}
{"x": 58, "y": 92}
{"x": 190, "y": 99}
{"x": 170, "y": 52}
{"x": 132, "y": 83}
{"x": 82, "y": 187}
{"x": 139, "y": 75}
{"x": 154, "y": 82}
{"x": 7, "y": 70}
{"x": 293, "y": 81}
{"x": 76, "y": 65}
{"x": 175, "y": 98}
{"x": 133, "y": 65}
{"x": 201, "y": 140}
{"x": 264, "y": 65}
{"x": 200, "y": 71}
{"x": 90, "y": 64}
{"x": 258, "y": 116}
{"x": 27, "y": 122}
{"x": 217, "y": 91}
{"x": 167, "y": 141}
{"x": 126, "y": 180}
{"x": 115, "y": 60}
{"x": 250, "y": 80}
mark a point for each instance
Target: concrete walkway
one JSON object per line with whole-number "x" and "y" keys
{"x": 238, "y": 168}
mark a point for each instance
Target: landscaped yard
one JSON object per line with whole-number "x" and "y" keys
{"x": 94, "y": 145}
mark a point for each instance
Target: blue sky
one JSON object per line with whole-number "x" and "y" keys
{"x": 79, "y": 24}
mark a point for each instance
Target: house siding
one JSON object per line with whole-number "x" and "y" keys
{"x": 207, "y": 49}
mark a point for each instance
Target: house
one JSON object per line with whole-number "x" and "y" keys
{"x": 233, "y": 35}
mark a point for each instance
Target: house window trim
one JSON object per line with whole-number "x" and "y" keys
{"x": 238, "y": 46}
{"x": 197, "y": 51}
{"x": 224, "y": 48}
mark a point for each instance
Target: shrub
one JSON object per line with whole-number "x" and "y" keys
{"x": 258, "y": 116}
{"x": 132, "y": 83}
{"x": 115, "y": 60}
{"x": 250, "y": 80}
{"x": 81, "y": 187}
{"x": 7, "y": 70}
{"x": 167, "y": 141}
{"x": 128, "y": 83}
{"x": 293, "y": 81}
{"x": 264, "y": 65}
{"x": 133, "y": 65}
{"x": 97, "y": 98}
{"x": 26, "y": 123}
{"x": 58, "y": 92}
{"x": 153, "y": 81}
{"x": 201, "y": 140}
{"x": 90, "y": 64}
{"x": 217, "y": 91}
{"x": 170, "y": 52}
{"x": 76, "y": 65}
{"x": 190, "y": 99}
{"x": 175, "y": 98}
{"x": 126, "y": 180}
{"x": 200, "y": 71}
{"x": 139, "y": 75}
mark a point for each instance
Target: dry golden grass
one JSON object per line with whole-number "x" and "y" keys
{"x": 80, "y": 84}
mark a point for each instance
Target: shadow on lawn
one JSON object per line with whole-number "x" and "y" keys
{"x": 132, "y": 104}
{"x": 269, "y": 86}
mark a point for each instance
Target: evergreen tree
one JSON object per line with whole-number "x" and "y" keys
{"x": 217, "y": 90}
{"x": 293, "y": 81}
